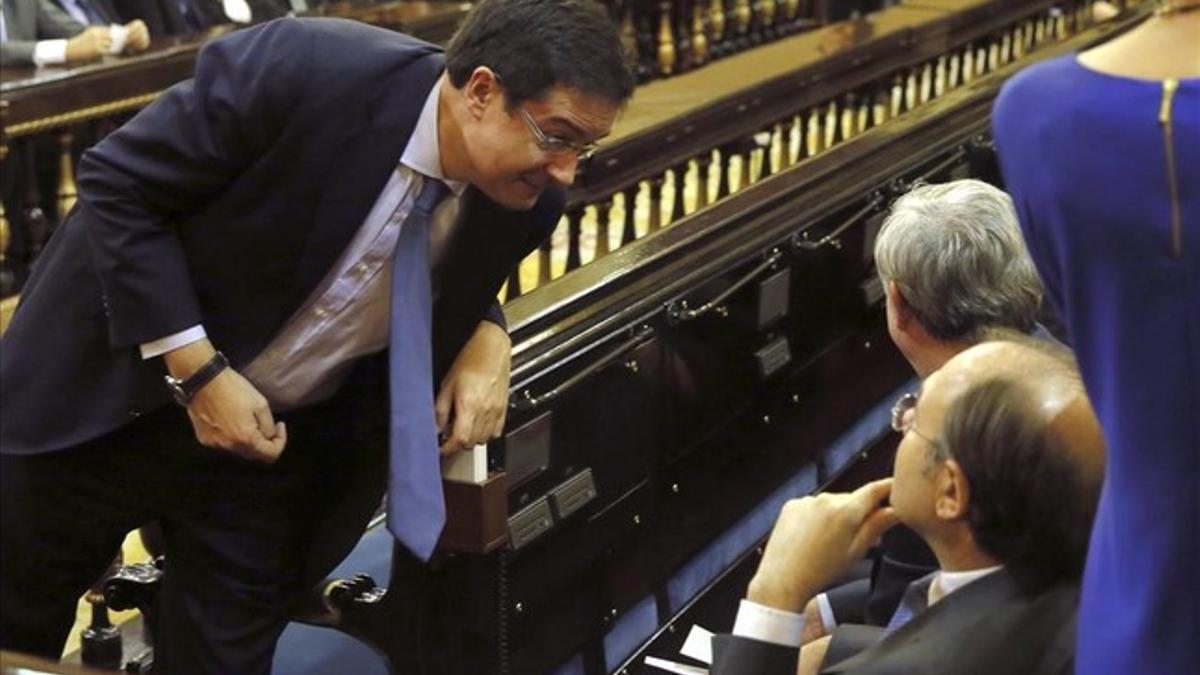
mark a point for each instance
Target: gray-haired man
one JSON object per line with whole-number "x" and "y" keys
{"x": 954, "y": 269}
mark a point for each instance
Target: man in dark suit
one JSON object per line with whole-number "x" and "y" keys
{"x": 999, "y": 471}
{"x": 953, "y": 266}
{"x": 286, "y": 206}
{"x": 39, "y": 33}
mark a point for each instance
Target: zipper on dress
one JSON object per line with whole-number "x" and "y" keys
{"x": 1164, "y": 119}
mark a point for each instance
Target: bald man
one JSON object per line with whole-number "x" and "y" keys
{"x": 998, "y": 471}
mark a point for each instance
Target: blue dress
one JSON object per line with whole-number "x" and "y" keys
{"x": 1084, "y": 155}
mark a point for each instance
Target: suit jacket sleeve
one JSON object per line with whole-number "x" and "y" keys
{"x": 850, "y": 639}
{"x": 17, "y": 52}
{"x": 735, "y": 655}
{"x": 849, "y": 601}
{"x": 170, "y": 161}
{"x": 50, "y": 23}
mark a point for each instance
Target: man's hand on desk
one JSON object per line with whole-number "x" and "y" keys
{"x": 90, "y": 44}
{"x": 94, "y": 42}
{"x": 816, "y": 539}
{"x": 472, "y": 402}
{"x": 228, "y": 412}
{"x": 137, "y": 37}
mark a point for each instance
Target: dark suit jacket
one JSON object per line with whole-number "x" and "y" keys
{"x": 104, "y": 7}
{"x": 987, "y": 627}
{"x": 162, "y": 17}
{"x": 224, "y": 204}
{"x": 26, "y": 22}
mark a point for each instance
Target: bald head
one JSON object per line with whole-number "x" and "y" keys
{"x": 1019, "y": 424}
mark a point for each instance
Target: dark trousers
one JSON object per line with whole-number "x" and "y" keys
{"x": 243, "y": 540}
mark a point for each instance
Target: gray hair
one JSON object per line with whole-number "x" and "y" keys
{"x": 955, "y": 250}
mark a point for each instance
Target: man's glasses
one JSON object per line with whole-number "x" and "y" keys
{"x": 904, "y": 417}
{"x": 553, "y": 145}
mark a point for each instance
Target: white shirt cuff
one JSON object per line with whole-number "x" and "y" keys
{"x": 767, "y": 624}
{"x": 50, "y": 52}
{"x": 827, "y": 618}
{"x": 171, "y": 342}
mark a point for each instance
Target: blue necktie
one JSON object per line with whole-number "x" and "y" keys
{"x": 416, "y": 508}
{"x": 914, "y": 601}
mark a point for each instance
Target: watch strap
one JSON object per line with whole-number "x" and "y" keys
{"x": 185, "y": 390}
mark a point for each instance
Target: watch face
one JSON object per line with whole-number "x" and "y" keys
{"x": 180, "y": 396}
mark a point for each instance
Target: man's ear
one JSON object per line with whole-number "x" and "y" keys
{"x": 953, "y": 496}
{"x": 898, "y": 305}
{"x": 481, "y": 90}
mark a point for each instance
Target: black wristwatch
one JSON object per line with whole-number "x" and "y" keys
{"x": 185, "y": 390}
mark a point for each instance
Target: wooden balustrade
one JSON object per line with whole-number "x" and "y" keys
{"x": 892, "y": 71}
{"x": 685, "y": 142}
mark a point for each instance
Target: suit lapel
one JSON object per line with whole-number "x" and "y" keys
{"x": 932, "y": 625}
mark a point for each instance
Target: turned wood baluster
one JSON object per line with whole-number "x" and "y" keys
{"x": 666, "y": 40}
{"x": 700, "y": 42}
{"x": 629, "y": 232}
{"x": 848, "y": 123}
{"x": 742, "y": 15}
{"x": 656, "y": 186}
{"x": 897, "y": 97}
{"x": 953, "y": 70}
{"x": 910, "y": 91}
{"x": 574, "y": 226}
{"x": 603, "y": 210}
{"x": 703, "y": 173}
{"x": 716, "y": 23}
{"x": 815, "y": 135}
{"x": 830, "y": 125}
{"x": 766, "y": 13}
{"x": 926, "y": 91}
{"x": 746, "y": 154}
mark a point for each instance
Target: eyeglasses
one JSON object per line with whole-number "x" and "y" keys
{"x": 904, "y": 417}
{"x": 553, "y": 145}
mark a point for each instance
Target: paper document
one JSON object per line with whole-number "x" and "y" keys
{"x": 672, "y": 667}
{"x": 468, "y": 466}
{"x": 698, "y": 645}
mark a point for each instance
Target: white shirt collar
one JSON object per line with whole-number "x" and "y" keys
{"x": 946, "y": 583}
{"x": 422, "y": 153}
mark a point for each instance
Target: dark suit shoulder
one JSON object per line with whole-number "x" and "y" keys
{"x": 986, "y": 627}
